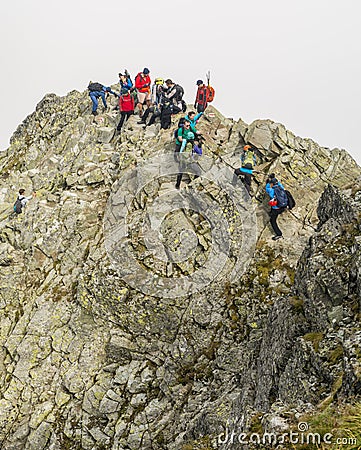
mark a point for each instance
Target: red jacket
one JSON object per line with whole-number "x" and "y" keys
{"x": 126, "y": 102}
{"x": 142, "y": 84}
{"x": 201, "y": 98}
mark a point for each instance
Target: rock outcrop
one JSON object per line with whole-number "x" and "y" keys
{"x": 106, "y": 348}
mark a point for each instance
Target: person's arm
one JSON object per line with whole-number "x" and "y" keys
{"x": 270, "y": 191}
{"x": 198, "y": 116}
{"x": 180, "y": 134}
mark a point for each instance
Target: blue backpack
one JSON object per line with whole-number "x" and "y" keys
{"x": 281, "y": 197}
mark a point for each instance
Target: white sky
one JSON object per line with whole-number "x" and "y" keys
{"x": 293, "y": 61}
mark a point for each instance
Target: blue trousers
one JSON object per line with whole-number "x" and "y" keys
{"x": 94, "y": 95}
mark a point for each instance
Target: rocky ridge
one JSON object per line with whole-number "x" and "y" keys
{"x": 88, "y": 362}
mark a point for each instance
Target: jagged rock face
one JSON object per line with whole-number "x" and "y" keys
{"x": 89, "y": 361}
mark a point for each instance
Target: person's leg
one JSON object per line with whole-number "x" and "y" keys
{"x": 152, "y": 119}
{"x": 200, "y": 108}
{"x": 274, "y": 215}
{"x": 247, "y": 181}
{"x": 95, "y": 102}
{"x": 102, "y": 95}
{"x": 236, "y": 175}
{"x": 141, "y": 99}
{"x": 123, "y": 115}
{"x": 146, "y": 114}
{"x": 179, "y": 179}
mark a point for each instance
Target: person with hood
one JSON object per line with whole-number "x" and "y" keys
{"x": 96, "y": 91}
{"x": 201, "y": 97}
{"x": 278, "y": 203}
{"x": 126, "y": 107}
{"x": 142, "y": 84}
{"x": 248, "y": 162}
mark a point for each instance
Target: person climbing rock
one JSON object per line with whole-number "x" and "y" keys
{"x": 96, "y": 91}
{"x": 278, "y": 203}
{"x": 22, "y": 201}
{"x": 248, "y": 162}
{"x": 193, "y": 118}
{"x": 126, "y": 107}
{"x": 142, "y": 84}
{"x": 201, "y": 97}
{"x": 187, "y": 157}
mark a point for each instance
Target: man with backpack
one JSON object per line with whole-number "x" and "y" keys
{"x": 175, "y": 94}
{"x": 142, "y": 84}
{"x": 157, "y": 99}
{"x": 22, "y": 201}
{"x": 201, "y": 102}
{"x": 278, "y": 203}
{"x": 248, "y": 162}
{"x": 96, "y": 91}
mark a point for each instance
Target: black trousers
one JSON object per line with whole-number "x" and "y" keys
{"x": 246, "y": 178}
{"x": 274, "y": 216}
{"x": 124, "y": 115}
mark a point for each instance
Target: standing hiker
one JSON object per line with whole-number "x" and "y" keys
{"x": 175, "y": 94}
{"x": 142, "y": 84}
{"x": 248, "y": 162}
{"x": 201, "y": 97}
{"x": 278, "y": 203}
{"x": 96, "y": 91}
{"x": 126, "y": 107}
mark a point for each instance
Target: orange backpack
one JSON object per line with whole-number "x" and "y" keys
{"x": 210, "y": 94}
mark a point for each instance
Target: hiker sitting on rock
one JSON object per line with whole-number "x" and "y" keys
{"x": 157, "y": 98}
{"x": 126, "y": 107}
{"x": 278, "y": 203}
{"x": 97, "y": 90}
{"x": 22, "y": 201}
{"x": 248, "y": 162}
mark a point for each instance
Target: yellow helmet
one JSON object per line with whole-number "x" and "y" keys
{"x": 159, "y": 81}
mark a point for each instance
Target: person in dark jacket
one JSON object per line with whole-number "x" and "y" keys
{"x": 272, "y": 182}
{"x": 126, "y": 107}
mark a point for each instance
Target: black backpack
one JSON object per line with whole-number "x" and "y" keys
{"x": 291, "y": 201}
{"x": 95, "y": 87}
{"x": 18, "y": 206}
{"x": 281, "y": 197}
{"x": 179, "y": 92}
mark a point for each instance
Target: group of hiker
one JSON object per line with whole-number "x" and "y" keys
{"x": 161, "y": 100}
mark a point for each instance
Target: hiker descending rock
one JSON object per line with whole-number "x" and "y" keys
{"x": 189, "y": 152}
{"x": 193, "y": 118}
{"x": 248, "y": 162}
{"x": 97, "y": 90}
{"x": 142, "y": 84}
{"x": 278, "y": 203}
{"x": 175, "y": 94}
{"x": 126, "y": 107}
{"x": 22, "y": 200}
{"x": 201, "y": 97}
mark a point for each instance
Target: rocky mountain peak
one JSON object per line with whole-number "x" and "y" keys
{"x": 136, "y": 316}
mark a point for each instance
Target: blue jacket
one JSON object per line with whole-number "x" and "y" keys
{"x": 127, "y": 85}
{"x": 271, "y": 192}
{"x": 193, "y": 122}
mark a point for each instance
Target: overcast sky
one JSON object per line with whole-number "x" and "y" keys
{"x": 293, "y": 61}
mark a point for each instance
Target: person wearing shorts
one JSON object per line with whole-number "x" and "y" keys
{"x": 142, "y": 84}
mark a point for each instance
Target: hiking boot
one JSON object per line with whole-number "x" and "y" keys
{"x": 275, "y": 238}
{"x": 94, "y": 113}
{"x": 141, "y": 122}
